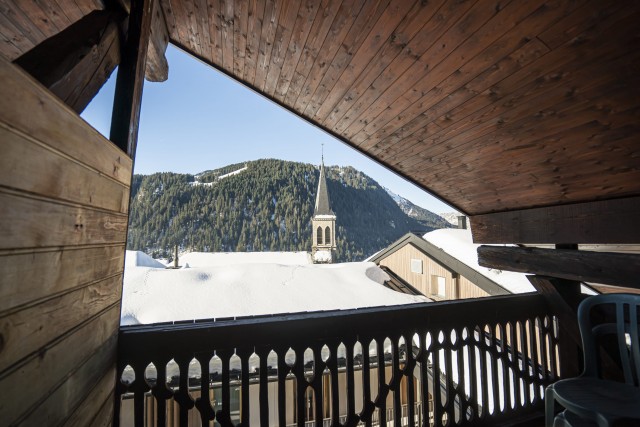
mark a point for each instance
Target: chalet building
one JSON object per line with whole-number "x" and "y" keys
{"x": 323, "y": 223}
{"x": 442, "y": 265}
{"x": 522, "y": 116}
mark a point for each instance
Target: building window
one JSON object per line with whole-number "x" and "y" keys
{"x": 438, "y": 286}
{"x": 327, "y": 235}
{"x": 416, "y": 266}
{"x": 319, "y": 235}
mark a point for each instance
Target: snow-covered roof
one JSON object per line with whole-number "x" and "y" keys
{"x": 154, "y": 294}
{"x": 459, "y": 244}
{"x": 208, "y": 259}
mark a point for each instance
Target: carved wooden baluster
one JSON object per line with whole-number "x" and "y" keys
{"x": 316, "y": 383}
{"x": 352, "y": 417}
{"x": 203, "y": 403}
{"x": 438, "y": 408}
{"x": 367, "y": 404}
{"x": 283, "y": 370}
{"x": 513, "y": 351}
{"x": 546, "y": 358}
{"x": 410, "y": 363}
{"x": 450, "y": 387}
{"x": 396, "y": 379}
{"x": 550, "y": 340}
{"x": 473, "y": 373}
{"x": 460, "y": 388}
{"x": 120, "y": 389}
{"x": 182, "y": 397}
{"x": 493, "y": 360}
{"x": 332, "y": 364}
{"x": 139, "y": 388}
{"x": 383, "y": 389}
{"x": 263, "y": 393}
{"x": 525, "y": 363}
{"x": 245, "y": 414}
{"x": 161, "y": 392}
{"x": 423, "y": 356}
{"x": 481, "y": 364}
{"x": 301, "y": 385}
{"x": 533, "y": 348}
{"x": 224, "y": 414}
{"x": 503, "y": 363}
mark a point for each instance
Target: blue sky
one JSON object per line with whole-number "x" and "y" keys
{"x": 200, "y": 119}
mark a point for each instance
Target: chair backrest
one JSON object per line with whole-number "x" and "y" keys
{"x": 624, "y": 327}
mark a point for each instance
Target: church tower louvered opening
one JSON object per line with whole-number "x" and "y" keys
{"x": 323, "y": 223}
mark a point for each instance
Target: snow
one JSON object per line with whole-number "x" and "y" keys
{"x": 209, "y": 259}
{"x": 451, "y": 217}
{"x": 140, "y": 259}
{"x": 322, "y": 256}
{"x": 459, "y": 244}
{"x": 235, "y": 288}
{"x": 324, "y": 217}
{"x": 235, "y": 172}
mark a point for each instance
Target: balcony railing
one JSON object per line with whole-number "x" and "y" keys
{"x": 462, "y": 362}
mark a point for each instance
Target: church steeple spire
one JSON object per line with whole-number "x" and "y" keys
{"x": 323, "y": 222}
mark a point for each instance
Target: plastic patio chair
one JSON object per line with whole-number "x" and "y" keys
{"x": 588, "y": 399}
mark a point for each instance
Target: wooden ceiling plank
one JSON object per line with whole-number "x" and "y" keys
{"x": 304, "y": 23}
{"x": 194, "y": 29}
{"x": 12, "y": 13}
{"x": 88, "y": 6}
{"x": 240, "y": 26}
{"x": 182, "y": 24}
{"x": 15, "y": 45}
{"x": 55, "y": 14}
{"x": 284, "y": 31}
{"x": 214, "y": 20}
{"x": 589, "y": 15}
{"x": 169, "y": 18}
{"x": 204, "y": 28}
{"x": 532, "y": 24}
{"x": 401, "y": 47}
{"x": 38, "y": 18}
{"x": 269, "y": 25}
{"x": 325, "y": 20}
{"x": 468, "y": 34}
{"x": 562, "y": 92}
{"x": 406, "y": 124}
{"x": 254, "y": 30}
{"x": 521, "y": 27}
{"x": 328, "y": 93}
{"x": 607, "y": 221}
{"x": 70, "y": 9}
{"x": 340, "y": 21}
{"x": 546, "y": 74}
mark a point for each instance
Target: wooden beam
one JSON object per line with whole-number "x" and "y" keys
{"x": 585, "y": 266}
{"x": 606, "y": 221}
{"x": 75, "y": 63}
{"x": 128, "y": 97}
{"x": 157, "y": 69}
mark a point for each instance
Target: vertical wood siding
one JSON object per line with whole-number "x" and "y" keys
{"x": 400, "y": 263}
{"x": 64, "y": 193}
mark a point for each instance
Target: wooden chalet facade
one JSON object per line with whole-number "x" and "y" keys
{"x": 523, "y": 115}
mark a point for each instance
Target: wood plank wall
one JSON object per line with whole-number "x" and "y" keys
{"x": 457, "y": 287}
{"x": 64, "y": 193}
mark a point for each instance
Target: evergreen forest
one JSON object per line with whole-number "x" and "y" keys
{"x": 266, "y": 205}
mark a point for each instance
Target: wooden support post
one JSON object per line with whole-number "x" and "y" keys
{"x": 128, "y": 97}
{"x": 75, "y": 63}
{"x": 560, "y": 295}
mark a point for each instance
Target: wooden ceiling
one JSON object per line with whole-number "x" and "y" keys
{"x": 491, "y": 105}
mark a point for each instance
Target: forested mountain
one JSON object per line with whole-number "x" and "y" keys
{"x": 263, "y": 205}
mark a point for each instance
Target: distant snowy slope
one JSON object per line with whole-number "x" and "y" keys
{"x": 154, "y": 295}
{"x": 451, "y": 217}
{"x": 422, "y": 215}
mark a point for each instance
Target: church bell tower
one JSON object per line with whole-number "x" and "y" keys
{"x": 323, "y": 223}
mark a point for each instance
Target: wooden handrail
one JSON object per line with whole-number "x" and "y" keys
{"x": 509, "y": 342}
